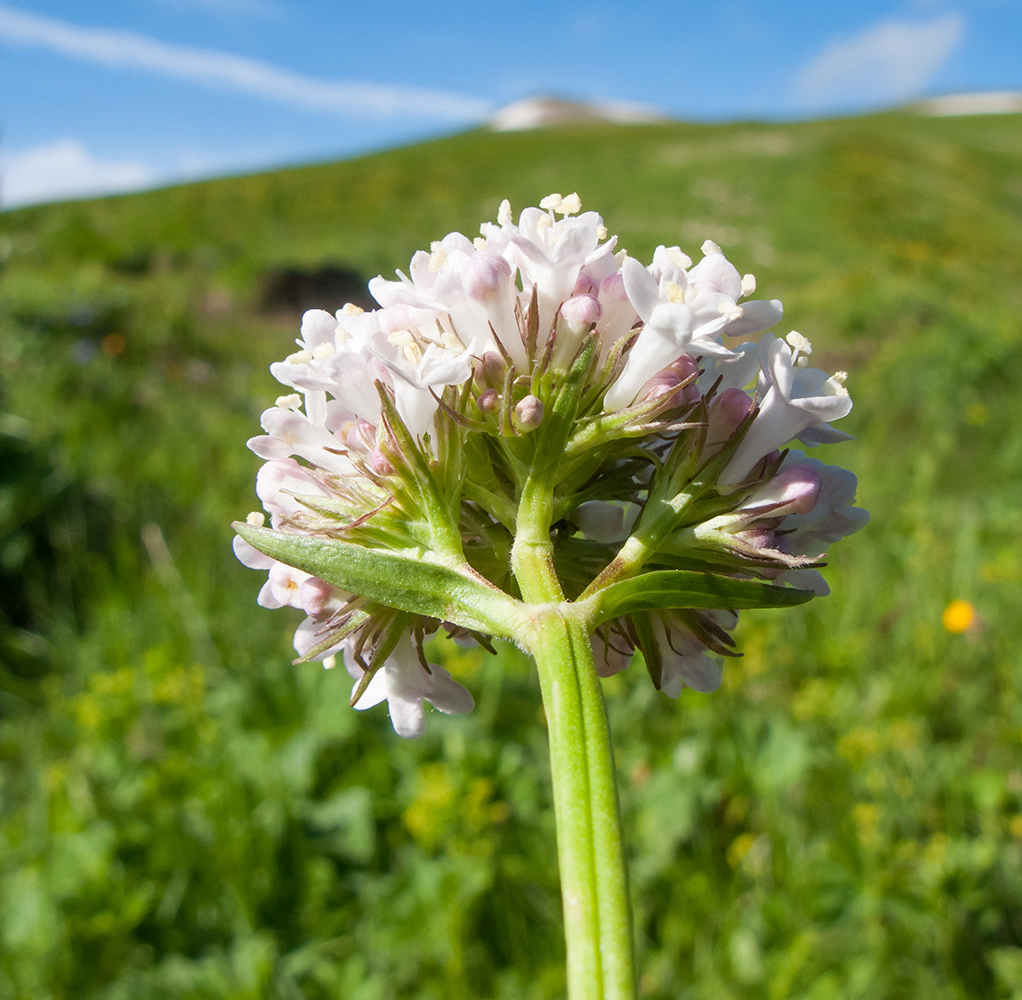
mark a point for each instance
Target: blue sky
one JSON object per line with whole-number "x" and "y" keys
{"x": 116, "y": 95}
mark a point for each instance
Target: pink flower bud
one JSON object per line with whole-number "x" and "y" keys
{"x": 318, "y": 598}
{"x": 529, "y": 414}
{"x": 758, "y": 538}
{"x": 380, "y": 464}
{"x": 612, "y": 289}
{"x": 586, "y": 285}
{"x": 668, "y": 380}
{"x": 797, "y": 488}
{"x": 485, "y": 276}
{"x": 727, "y": 411}
{"x": 580, "y": 312}
{"x": 491, "y": 371}
{"x": 488, "y": 401}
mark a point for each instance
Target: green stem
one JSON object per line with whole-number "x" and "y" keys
{"x": 594, "y": 883}
{"x": 590, "y": 851}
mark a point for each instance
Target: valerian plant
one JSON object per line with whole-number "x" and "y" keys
{"x": 542, "y": 440}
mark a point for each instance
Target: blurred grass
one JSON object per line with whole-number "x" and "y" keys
{"x": 184, "y": 814}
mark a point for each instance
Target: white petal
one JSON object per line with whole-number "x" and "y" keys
{"x": 640, "y": 287}
{"x": 446, "y": 694}
{"x": 250, "y": 556}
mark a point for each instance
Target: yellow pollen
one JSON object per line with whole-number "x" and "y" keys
{"x": 289, "y": 402}
{"x": 679, "y": 259}
{"x": 400, "y": 338}
{"x": 479, "y": 243}
{"x": 504, "y": 213}
{"x": 798, "y": 343}
{"x": 324, "y": 350}
{"x": 959, "y": 616}
{"x": 257, "y": 519}
{"x": 413, "y": 353}
{"x": 675, "y": 293}
{"x": 438, "y": 258}
{"x": 748, "y": 284}
{"x": 601, "y": 232}
{"x": 550, "y": 202}
{"x": 569, "y": 205}
{"x": 731, "y": 310}
{"x": 451, "y": 341}
{"x": 350, "y": 309}
{"x": 299, "y": 358}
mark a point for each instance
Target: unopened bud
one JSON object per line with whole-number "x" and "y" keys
{"x": 612, "y": 289}
{"x": 796, "y": 487}
{"x": 580, "y": 312}
{"x": 485, "y": 276}
{"x": 381, "y": 465}
{"x": 586, "y": 285}
{"x": 318, "y": 598}
{"x": 726, "y": 412}
{"x": 669, "y": 380}
{"x": 491, "y": 370}
{"x": 488, "y": 401}
{"x": 529, "y": 413}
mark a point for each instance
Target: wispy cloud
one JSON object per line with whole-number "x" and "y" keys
{"x": 66, "y": 169}
{"x": 229, "y": 8}
{"x": 893, "y": 60}
{"x": 224, "y": 71}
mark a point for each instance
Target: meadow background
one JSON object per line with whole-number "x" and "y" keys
{"x": 184, "y": 814}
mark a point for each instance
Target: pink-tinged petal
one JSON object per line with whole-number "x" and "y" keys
{"x": 268, "y": 448}
{"x": 267, "y": 598}
{"x": 701, "y": 672}
{"x": 610, "y": 659}
{"x": 794, "y": 490}
{"x": 310, "y": 633}
{"x": 250, "y": 556}
{"x": 286, "y": 582}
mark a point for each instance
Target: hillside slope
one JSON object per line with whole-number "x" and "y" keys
{"x": 185, "y": 814}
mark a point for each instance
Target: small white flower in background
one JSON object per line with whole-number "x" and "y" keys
{"x": 457, "y": 350}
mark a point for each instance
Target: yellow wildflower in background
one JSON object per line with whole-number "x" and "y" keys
{"x": 959, "y": 616}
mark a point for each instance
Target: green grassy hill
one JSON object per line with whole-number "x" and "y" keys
{"x": 185, "y": 814}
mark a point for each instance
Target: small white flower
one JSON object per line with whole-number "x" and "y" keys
{"x": 404, "y": 685}
{"x": 792, "y": 401}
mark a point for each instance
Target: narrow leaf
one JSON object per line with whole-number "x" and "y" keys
{"x": 683, "y": 589}
{"x": 396, "y": 581}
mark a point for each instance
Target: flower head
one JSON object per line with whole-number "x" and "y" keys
{"x": 537, "y": 376}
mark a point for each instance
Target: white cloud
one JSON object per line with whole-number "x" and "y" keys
{"x": 892, "y": 61}
{"x": 224, "y": 71}
{"x": 228, "y": 8}
{"x": 66, "y": 169}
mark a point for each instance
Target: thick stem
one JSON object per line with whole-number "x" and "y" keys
{"x": 594, "y": 884}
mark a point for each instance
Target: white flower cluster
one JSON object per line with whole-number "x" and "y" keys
{"x": 472, "y": 317}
